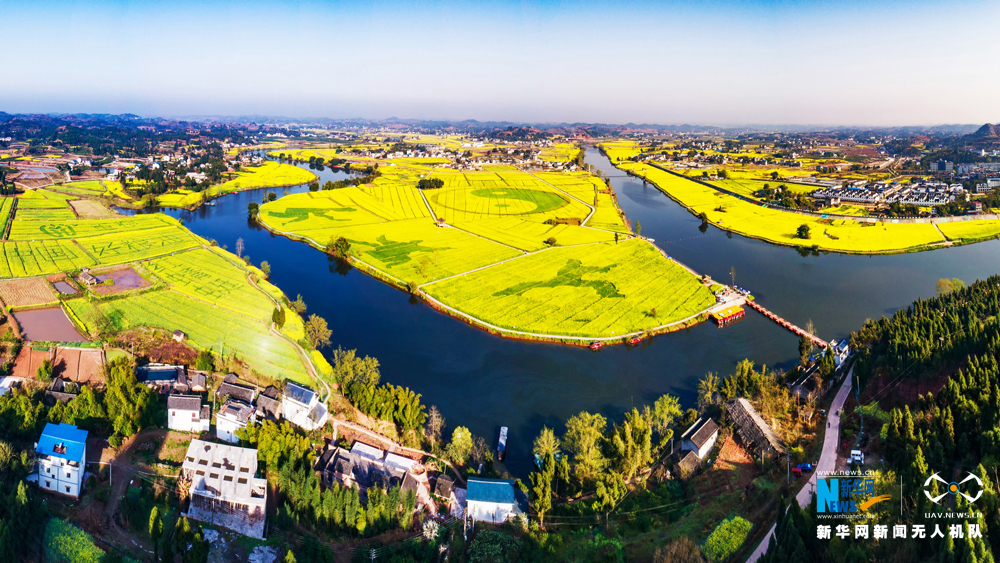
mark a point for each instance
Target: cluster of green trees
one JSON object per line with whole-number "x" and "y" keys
{"x": 951, "y": 433}
{"x": 370, "y": 173}
{"x": 289, "y": 459}
{"x": 590, "y": 454}
{"x": 430, "y": 183}
{"x": 124, "y": 408}
{"x": 359, "y": 379}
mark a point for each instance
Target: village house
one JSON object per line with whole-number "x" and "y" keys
{"x": 700, "y": 437}
{"x": 160, "y": 375}
{"x": 269, "y": 405}
{"x": 187, "y": 413}
{"x": 493, "y": 500}
{"x": 62, "y": 459}
{"x": 224, "y": 488}
{"x": 232, "y": 416}
{"x": 301, "y": 406}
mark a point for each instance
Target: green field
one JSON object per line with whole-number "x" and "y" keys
{"x": 269, "y": 174}
{"x": 66, "y": 543}
{"x": 207, "y": 326}
{"x": 521, "y": 251}
{"x": 41, "y": 230}
{"x": 207, "y": 276}
{"x": 208, "y": 292}
{"x": 604, "y": 289}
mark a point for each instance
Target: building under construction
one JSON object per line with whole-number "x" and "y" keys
{"x": 224, "y": 488}
{"x": 751, "y": 428}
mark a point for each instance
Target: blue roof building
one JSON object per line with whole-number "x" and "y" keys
{"x": 494, "y": 500}
{"x": 62, "y": 458}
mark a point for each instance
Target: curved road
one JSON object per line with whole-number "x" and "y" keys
{"x": 827, "y": 460}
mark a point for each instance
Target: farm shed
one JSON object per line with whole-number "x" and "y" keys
{"x": 751, "y": 428}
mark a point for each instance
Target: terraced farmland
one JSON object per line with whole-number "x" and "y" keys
{"x": 208, "y": 294}
{"x": 205, "y": 325}
{"x": 525, "y": 252}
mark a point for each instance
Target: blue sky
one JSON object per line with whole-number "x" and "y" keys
{"x": 726, "y": 63}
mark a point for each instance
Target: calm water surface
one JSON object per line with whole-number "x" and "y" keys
{"x": 484, "y": 382}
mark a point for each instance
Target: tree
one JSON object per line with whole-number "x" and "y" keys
{"x": 945, "y": 285}
{"x": 278, "y": 316}
{"x": 253, "y": 208}
{"x": 805, "y": 348}
{"x": 239, "y": 247}
{"x": 266, "y": 268}
{"x": 460, "y": 446}
{"x": 289, "y": 557}
{"x": 665, "y": 410}
{"x": 434, "y": 426}
{"x": 339, "y": 247}
{"x": 44, "y": 371}
{"x": 546, "y": 444}
{"x": 348, "y": 368}
{"x": 299, "y": 305}
{"x": 638, "y": 227}
{"x": 708, "y": 391}
{"x": 314, "y": 186}
{"x": 155, "y": 528}
{"x": 802, "y": 231}
{"x": 317, "y": 331}
{"x": 631, "y": 444}
{"x": 541, "y": 487}
{"x": 205, "y": 361}
{"x": 682, "y": 550}
{"x": 583, "y": 438}
{"x": 551, "y": 241}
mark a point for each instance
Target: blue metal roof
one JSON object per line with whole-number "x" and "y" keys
{"x": 500, "y": 491}
{"x": 72, "y": 439}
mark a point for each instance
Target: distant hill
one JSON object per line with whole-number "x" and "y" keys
{"x": 987, "y": 131}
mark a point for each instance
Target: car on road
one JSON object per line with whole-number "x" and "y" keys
{"x": 805, "y": 467}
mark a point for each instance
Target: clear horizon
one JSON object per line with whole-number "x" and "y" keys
{"x": 730, "y": 64}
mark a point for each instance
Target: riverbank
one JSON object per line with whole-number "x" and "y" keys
{"x": 847, "y": 235}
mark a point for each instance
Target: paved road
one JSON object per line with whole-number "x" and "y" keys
{"x": 827, "y": 459}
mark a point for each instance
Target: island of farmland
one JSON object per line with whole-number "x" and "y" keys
{"x": 537, "y": 255}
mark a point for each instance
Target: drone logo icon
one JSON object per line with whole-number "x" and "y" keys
{"x": 953, "y": 488}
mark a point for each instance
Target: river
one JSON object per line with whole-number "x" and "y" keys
{"x": 484, "y": 382}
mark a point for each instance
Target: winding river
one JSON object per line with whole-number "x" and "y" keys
{"x": 484, "y": 381}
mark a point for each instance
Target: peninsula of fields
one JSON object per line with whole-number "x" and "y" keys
{"x": 532, "y": 254}
{"x": 831, "y": 232}
{"x": 150, "y": 272}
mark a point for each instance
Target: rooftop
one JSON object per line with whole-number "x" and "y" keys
{"x": 299, "y": 393}
{"x": 498, "y": 491}
{"x": 63, "y": 441}
{"x": 224, "y": 472}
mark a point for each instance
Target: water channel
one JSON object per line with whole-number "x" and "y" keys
{"x": 484, "y": 382}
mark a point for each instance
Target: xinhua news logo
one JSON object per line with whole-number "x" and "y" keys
{"x": 846, "y": 495}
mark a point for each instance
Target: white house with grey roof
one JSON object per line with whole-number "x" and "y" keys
{"x": 700, "y": 437}
{"x": 224, "y": 487}
{"x": 234, "y": 415}
{"x": 301, "y": 406}
{"x": 187, "y": 414}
